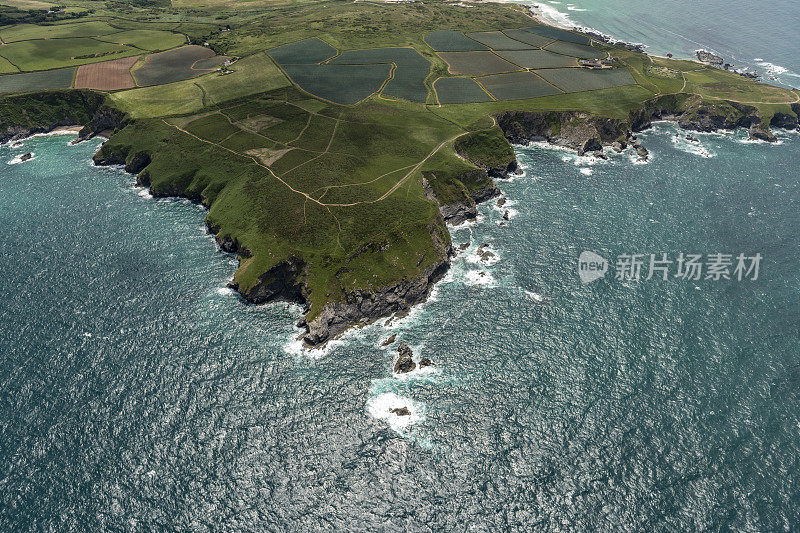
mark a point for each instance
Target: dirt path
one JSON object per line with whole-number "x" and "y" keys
{"x": 307, "y": 196}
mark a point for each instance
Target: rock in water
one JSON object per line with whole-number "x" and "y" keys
{"x": 707, "y": 57}
{"x": 506, "y": 216}
{"x": 404, "y": 362}
{"x": 390, "y": 340}
{"x": 501, "y": 202}
{"x": 400, "y": 411}
{"x": 425, "y": 362}
{"x": 25, "y": 157}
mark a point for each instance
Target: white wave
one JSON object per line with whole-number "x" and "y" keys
{"x": 477, "y": 259}
{"x": 16, "y": 144}
{"x": 772, "y": 68}
{"x": 18, "y": 159}
{"x": 224, "y": 291}
{"x": 587, "y": 171}
{"x": 379, "y": 408}
{"x": 535, "y": 296}
{"x": 55, "y": 132}
{"x": 144, "y": 193}
{"x": 479, "y": 277}
{"x": 696, "y": 148}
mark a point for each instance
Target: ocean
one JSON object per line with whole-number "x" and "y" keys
{"x": 138, "y": 393}
{"x": 754, "y": 37}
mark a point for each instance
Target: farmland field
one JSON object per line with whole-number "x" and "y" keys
{"x": 517, "y": 85}
{"x": 146, "y": 39}
{"x": 27, "y": 32}
{"x": 307, "y": 52}
{"x": 172, "y": 65}
{"x": 37, "y": 81}
{"x": 106, "y": 76}
{"x": 476, "y": 63}
{"x": 409, "y": 75}
{"x": 452, "y": 41}
{"x": 250, "y": 75}
{"x": 211, "y": 63}
{"x": 342, "y": 84}
{"x": 6, "y": 67}
{"x": 538, "y": 59}
{"x": 575, "y": 50}
{"x": 561, "y": 35}
{"x": 580, "y": 79}
{"x": 497, "y": 40}
{"x": 45, "y": 54}
{"x": 533, "y": 39}
{"x": 459, "y": 91}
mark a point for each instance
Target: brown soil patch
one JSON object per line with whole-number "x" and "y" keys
{"x": 106, "y": 76}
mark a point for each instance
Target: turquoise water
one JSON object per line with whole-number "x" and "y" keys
{"x": 137, "y": 393}
{"x": 758, "y": 36}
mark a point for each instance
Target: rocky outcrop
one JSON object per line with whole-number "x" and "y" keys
{"x": 707, "y": 57}
{"x": 571, "y": 129}
{"x": 283, "y": 282}
{"x": 425, "y": 361}
{"x": 105, "y": 121}
{"x": 761, "y": 132}
{"x": 465, "y": 209}
{"x": 586, "y": 134}
{"x": 785, "y": 121}
{"x": 404, "y": 363}
{"x": 24, "y": 115}
{"x": 400, "y": 411}
{"x": 366, "y": 306}
{"x": 390, "y": 340}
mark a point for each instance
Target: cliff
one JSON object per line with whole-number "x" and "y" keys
{"x": 22, "y": 115}
{"x": 588, "y": 133}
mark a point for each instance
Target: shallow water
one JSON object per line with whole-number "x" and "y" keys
{"x": 139, "y": 393}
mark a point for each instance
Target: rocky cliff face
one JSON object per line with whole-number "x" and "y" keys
{"x": 586, "y": 133}
{"x": 571, "y": 129}
{"x": 466, "y": 209}
{"x": 364, "y": 307}
{"x": 27, "y": 114}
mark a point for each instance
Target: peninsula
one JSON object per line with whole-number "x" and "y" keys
{"x": 333, "y": 142}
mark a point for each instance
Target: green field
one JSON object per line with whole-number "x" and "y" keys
{"x": 533, "y": 39}
{"x": 307, "y": 52}
{"x": 497, "y": 40}
{"x": 37, "y": 81}
{"x": 28, "y": 32}
{"x": 45, "y": 54}
{"x": 452, "y": 41}
{"x": 459, "y": 91}
{"x": 342, "y": 84}
{"x": 146, "y": 39}
{"x": 538, "y": 59}
{"x": 517, "y": 86}
{"x": 476, "y": 63}
{"x": 409, "y": 75}
{"x": 210, "y": 63}
{"x": 575, "y": 50}
{"x": 172, "y": 65}
{"x": 6, "y": 67}
{"x": 559, "y": 34}
{"x": 250, "y": 75}
{"x": 580, "y": 79}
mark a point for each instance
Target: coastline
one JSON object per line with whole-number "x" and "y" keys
{"x": 758, "y": 68}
